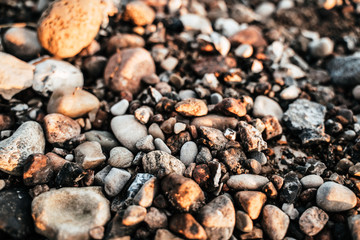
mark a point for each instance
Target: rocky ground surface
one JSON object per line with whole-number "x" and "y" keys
{"x": 176, "y": 119}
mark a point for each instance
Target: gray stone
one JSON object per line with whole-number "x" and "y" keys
{"x": 106, "y": 139}
{"x": 243, "y": 222}
{"x": 247, "y": 181}
{"x": 100, "y": 176}
{"x": 290, "y": 210}
{"x": 155, "y": 218}
{"x": 120, "y": 157}
{"x": 156, "y": 131}
{"x": 312, "y": 221}
{"x": 264, "y": 106}
{"x": 147, "y": 193}
{"x": 345, "y": 70}
{"x": 196, "y": 22}
{"x": 119, "y": 108}
{"x": 311, "y": 181}
{"x": 89, "y": 155}
{"x": 275, "y": 222}
{"x": 115, "y": 181}
{"x": 160, "y": 145}
{"x": 258, "y": 156}
{"x": 145, "y": 144}
{"x": 188, "y": 152}
{"x": 322, "y": 47}
{"x": 27, "y": 139}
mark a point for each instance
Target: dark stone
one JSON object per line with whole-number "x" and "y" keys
{"x": 69, "y": 175}
{"x": 345, "y": 70}
{"x": 203, "y": 156}
{"x": 291, "y": 188}
{"x": 232, "y": 158}
{"x": 175, "y": 142}
{"x": 315, "y": 167}
{"x": 37, "y": 170}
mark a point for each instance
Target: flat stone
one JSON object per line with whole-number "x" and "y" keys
{"x": 264, "y": 106}
{"x": 133, "y": 215}
{"x": 243, "y": 222}
{"x": 275, "y": 222}
{"x": 247, "y": 181}
{"x": 26, "y": 140}
{"x": 120, "y": 157}
{"x": 139, "y": 13}
{"x": 89, "y": 155}
{"x": 70, "y": 213}
{"x": 188, "y": 153}
{"x": 311, "y": 181}
{"x": 128, "y": 130}
{"x": 147, "y": 193}
{"x": 186, "y": 225}
{"x": 215, "y": 121}
{"x": 312, "y": 221}
{"x": 115, "y": 181}
{"x": 333, "y": 197}
{"x": 192, "y": 107}
{"x": 252, "y": 202}
{"x": 354, "y": 225}
{"x": 106, "y": 139}
{"x": 120, "y": 108}
{"x": 251, "y": 139}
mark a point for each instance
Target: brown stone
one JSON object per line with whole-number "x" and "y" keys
{"x": 147, "y": 193}
{"x": 133, "y": 215}
{"x": 155, "y": 218}
{"x": 186, "y": 225}
{"x": 277, "y": 181}
{"x": 5, "y": 122}
{"x": 252, "y": 202}
{"x": 175, "y": 142}
{"x": 162, "y": 234}
{"x": 232, "y": 107}
{"x": 124, "y": 40}
{"x": 251, "y": 138}
{"x": 201, "y": 174}
{"x": 56, "y": 161}
{"x": 168, "y": 125}
{"x": 37, "y": 170}
{"x": 232, "y": 157}
{"x": 212, "y": 138}
{"x": 270, "y": 190}
{"x": 275, "y": 222}
{"x": 192, "y": 107}
{"x": 251, "y": 35}
{"x": 256, "y": 233}
{"x": 215, "y": 121}
{"x": 139, "y": 13}
{"x": 312, "y": 221}
{"x": 272, "y": 127}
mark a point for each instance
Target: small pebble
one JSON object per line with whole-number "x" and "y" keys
{"x": 275, "y": 222}
{"x": 120, "y": 157}
{"x": 120, "y": 108}
{"x": 243, "y": 222}
{"x": 89, "y": 155}
{"x": 133, "y": 215}
{"x": 312, "y": 221}
{"x": 115, "y": 181}
{"x": 188, "y": 153}
{"x": 311, "y": 181}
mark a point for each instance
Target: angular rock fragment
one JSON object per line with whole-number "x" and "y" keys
{"x": 186, "y": 225}
{"x": 37, "y": 170}
{"x": 213, "y": 138}
{"x": 251, "y": 201}
{"x": 272, "y": 127}
{"x": 192, "y": 107}
{"x": 161, "y": 164}
{"x": 232, "y": 107}
{"x": 251, "y": 138}
{"x": 147, "y": 193}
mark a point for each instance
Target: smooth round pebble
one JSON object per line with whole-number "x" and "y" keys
{"x": 120, "y": 157}
{"x": 311, "y": 181}
{"x": 120, "y": 108}
{"x": 188, "y": 153}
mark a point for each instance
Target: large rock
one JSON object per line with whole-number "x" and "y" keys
{"x": 128, "y": 130}
{"x": 70, "y": 213}
{"x": 27, "y": 139}
{"x": 275, "y": 222}
{"x": 15, "y": 75}
{"x": 66, "y": 27}
{"x": 345, "y": 70}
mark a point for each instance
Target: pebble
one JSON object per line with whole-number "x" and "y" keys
{"x": 106, "y": 139}
{"x": 196, "y": 22}
{"x": 128, "y": 130}
{"x": 290, "y": 93}
{"x": 264, "y": 106}
{"x": 65, "y": 35}
{"x": 186, "y": 225}
{"x": 72, "y": 102}
{"x": 139, "y": 13}
{"x": 120, "y": 108}
{"x": 247, "y": 181}
{"x": 243, "y": 14}
{"x": 69, "y": 175}
{"x": 124, "y": 40}
{"x": 37, "y": 170}
{"x": 169, "y": 63}
{"x": 311, "y": 181}
{"x": 15, "y": 75}
{"x": 179, "y": 127}
{"x": 227, "y": 26}
{"x": 161, "y": 145}
{"x": 70, "y": 213}
{"x": 143, "y": 114}
{"x": 322, "y": 47}
{"x": 188, "y": 153}
{"x": 273, "y": 127}
{"x": 251, "y": 35}
{"x": 183, "y": 193}
{"x": 265, "y": 9}
{"x": 258, "y": 156}
{"x": 251, "y": 139}
{"x": 251, "y": 201}
{"x": 243, "y": 222}
{"x": 115, "y": 181}
{"x": 221, "y": 43}
{"x": 290, "y": 210}
{"x": 312, "y": 221}
{"x": 89, "y": 155}
{"x": 244, "y": 51}
{"x": 162, "y": 234}
{"x": 215, "y": 121}
{"x": 22, "y": 43}
{"x": 275, "y": 222}
{"x": 145, "y": 144}
{"x": 101, "y": 175}
{"x": 218, "y": 218}
{"x": 120, "y": 157}
{"x": 59, "y": 128}
{"x": 156, "y": 219}
{"x": 354, "y": 225}
{"x": 186, "y": 94}
{"x": 191, "y": 107}
{"x": 344, "y": 70}
{"x": 125, "y": 70}
{"x": 26, "y": 140}
{"x": 231, "y": 107}
{"x": 161, "y": 164}
{"x": 213, "y": 138}
{"x": 51, "y": 75}
{"x": 145, "y": 196}
{"x": 333, "y": 197}
{"x": 156, "y": 131}
{"x": 133, "y": 215}
{"x": 291, "y": 188}
{"x": 356, "y": 92}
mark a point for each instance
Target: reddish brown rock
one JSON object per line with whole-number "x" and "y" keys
{"x": 175, "y": 142}
{"x": 252, "y": 202}
{"x": 251, "y": 35}
{"x": 313, "y": 220}
{"x": 37, "y": 170}
{"x": 124, "y": 40}
{"x": 275, "y": 222}
{"x": 192, "y": 107}
{"x": 215, "y": 121}
{"x": 139, "y": 13}
{"x": 232, "y": 107}
{"x": 56, "y": 161}
{"x": 186, "y": 225}
{"x": 272, "y": 127}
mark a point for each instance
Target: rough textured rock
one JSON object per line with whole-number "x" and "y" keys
{"x": 231, "y": 107}
{"x": 213, "y": 138}
{"x": 186, "y": 225}
{"x": 312, "y": 221}
{"x": 251, "y": 138}
{"x": 120, "y": 157}
{"x": 37, "y": 170}
{"x": 247, "y": 181}
{"x": 192, "y": 107}
{"x": 65, "y": 35}
{"x": 70, "y": 213}
{"x": 28, "y": 139}
{"x": 89, "y": 155}
{"x": 275, "y": 222}
{"x": 345, "y": 70}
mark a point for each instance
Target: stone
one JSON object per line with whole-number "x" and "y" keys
{"x": 26, "y": 140}
{"x": 56, "y": 162}
{"x": 72, "y": 102}
{"x": 37, "y": 170}
{"x": 117, "y": 230}
{"x": 188, "y": 153}
{"x": 143, "y": 114}
{"x": 59, "y": 128}
{"x": 272, "y": 127}
{"x": 115, "y": 181}
{"x": 291, "y": 188}
{"x": 232, "y": 107}
{"x": 139, "y": 13}
{"x": 15, "y": 75}
{"x": 156, "y": 219}
{"x": 160, "y": 145}
{"x": 311, "y": 181}
{"x": 258, "y": 156}
{"x": 251, "y": 201}
{"x": 218, "y": 218}
{"x": 70, "y": 213}
{"x": 356, "y": 92}
{"x": 354, "y": 225}
{"x": 156, "y": 132}
{"x": 69, "y": 175}
{"x": 251, "y": 35}
{"x": 147, "y": 193}
{"x": 232, "y": 157}
{"x": 162, "y": 234}
{"x": 22, "y": 43}
{"x": 344, "y": 70}
{"x": 124, "y": 40}
{"x": 169, "y": 63}
{"x": 145, "y": 144}
{"x": 290, "y": 210}
{"x": 101, "y": 175}
{"x": 275, "y": 222}
{"x": 333, "y": 197}
{"x": 65, "y": 35}
{"x": 312, "y": 221}
{"x": 135, "y": 186}
{"x": 213, "y": 138}
{"x": 270, "y": 190}
{"x": 125, "y": 70}
{"x": 251, "y": 138}
{"x": 196, "y": 22}
{"x": 128, "y": 130}
{"x": 264, "y": 106}
{"x": 256, "y": 233}
{"x": 186, "y": 225}
{"x": 183, "y": 193}
{"x": 215, "y": 121}
{"x": 227, "y": 26}
{"x": 51, "y": 75}
{"x": 243, "y": 14}
{"x": 290, "y": 93}
{"x": 133, "y": 215}
{"x": 244, "y": 51}
{"x": 106, "y": 139}
{"x": 322, "y": 47}
{"x": 120, "y": 157}
{"x": 243, "y": 222}
{"x": 191, "y": 107}
{"x": 179, "y": 127}
{"x": 247, "y": 181}
{"x": 161, "y": 164}
{"x": 89, "y": 155}
{"x": 119, "y": 108}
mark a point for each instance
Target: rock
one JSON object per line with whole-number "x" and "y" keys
{"x": 311, "y": 181}
{"x": 251, "y": 35}
{"x": 265, "y": 9}
{"x": 15, "y": 75}
{"x": 70, "y": 213}
{"x": 15, "y": 212}
{"x": 232, "y": 157}
{"x": 145, "y": 144}
{"x": 212, "y": 138}
{"x": 291, "y": 188}
{"x": 232, "y": 107}
{"x": 247, "y": 181}
{"x": 243, "y": 14}
{"x": 244, "y": 51}
{"x": 258, "y": 156}
{"x": 143, "y": 114}
{"x": 290, "y": 210}
{"x": 135, "y": 186}
{"x": 196, "y": 22}
{"x": 59, "y": 128}
{"x": 117, "y": 230}
{"x": 106, "y": 139}
{"x": 354, "y": 225}
{"x": 101, "y": 175}
{"x": 215, "y": 121}
{"x": 139, "y": 13}
{"x": 227, "y": 26}
{"x": 162, "y": 234}
{"x": 251, "y": 201}
{"x": 147, "y": 193}
{"x": 307, "y": 118}
{"x": 275, "y": 222}
{"x": 179, "y": 127}
{"x": 290, "y": 93}
{"x": 156, "y": 132}
{"x": 356, "y": 92}
{"x": 89, "y": 155}
{"x": 65, "y": 35}
{"x": 188, "y": 153}
{"x": 120, "y": 157}
{"x": 243, "y": 222}
{"x": 119, "y": 108}
{"x": 272, "y": 127}
{"x": 312, "y": 221}
{"x": 169, "y": 63}
{"x": 264, "y": 106}
{"x": 128, "y": 130}
{"x": 156, "y": 219}
{"x": 115, "y": 181}
{"x": 160, "y": 145}
{"x": 256, "y": 233}
{"x": 161, "y": 164}
{"x": 69, "y": 175}
{"x": 322, "y": 47}
{"x": 218, "y": 218}
{"x": 72, "y": 102}
{"x": 192, "y": 107}
{"x": 26, "y": 140}
{"x": 124, "y": 40}
{"x": 124, "y": 70}
{"x": 133, "y": 215}
{"x": 333, "y": 197}
{"x": 183, "y": 193}
{"x": 251, "y": 138}
{"x": 186, "y": 225}
{"x": 51, "y": 75}
{"x": 345, "y": 70}
{"x": 37, "y": 170}
{"x": 22, "y": 43}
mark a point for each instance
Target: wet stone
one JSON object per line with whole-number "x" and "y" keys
{"x": 37, "y": 170}
{"x": 313, "y": 220}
